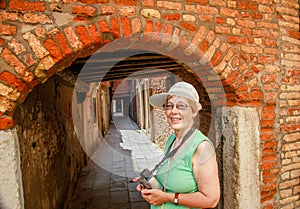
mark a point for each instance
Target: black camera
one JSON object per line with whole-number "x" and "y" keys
{"x": 149, "y": 181}
{"x": 145, "y": 176}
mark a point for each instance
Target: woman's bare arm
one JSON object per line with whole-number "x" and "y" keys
{"x": 205, "y": 170}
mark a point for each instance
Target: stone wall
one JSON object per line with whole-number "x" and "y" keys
{"x": 51, "y": 156}
{"x": 241, "y": 158}
{"x": 10, "y": 173}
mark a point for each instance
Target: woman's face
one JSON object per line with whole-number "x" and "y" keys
{"x": 179, "y": 118}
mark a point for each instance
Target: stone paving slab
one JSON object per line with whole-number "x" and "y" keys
{"x": 104, "y": 182}
{"x": 144, "y": 153}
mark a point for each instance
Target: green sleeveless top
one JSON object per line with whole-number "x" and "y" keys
{"x": 180, "y": 177}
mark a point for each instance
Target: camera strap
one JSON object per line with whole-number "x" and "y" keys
{"x": 169, "y": 153}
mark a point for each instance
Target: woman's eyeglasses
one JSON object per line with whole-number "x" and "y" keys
{"x": 170, "y": 106}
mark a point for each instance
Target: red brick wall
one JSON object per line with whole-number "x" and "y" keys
{"x": 253, "y": 46}
{"x": 288, "y": 106}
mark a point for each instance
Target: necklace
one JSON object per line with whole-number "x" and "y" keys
{"x": 165, "y": 183}
{"x": 176, "y": 143}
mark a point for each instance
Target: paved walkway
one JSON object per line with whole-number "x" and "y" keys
{"x": 104, "y": 182}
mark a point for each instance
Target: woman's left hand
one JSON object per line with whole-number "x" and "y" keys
{"x": 154, "y": 196}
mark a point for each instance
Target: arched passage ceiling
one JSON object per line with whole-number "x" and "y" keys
{"x": 137, "y": 64}
{"x": 106, "y": 66}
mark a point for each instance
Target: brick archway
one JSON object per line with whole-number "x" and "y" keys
{"x": 214, "y": 62}
{"x": 57, "y": 49}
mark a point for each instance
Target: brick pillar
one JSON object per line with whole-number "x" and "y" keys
{"x": 241, "y": 158}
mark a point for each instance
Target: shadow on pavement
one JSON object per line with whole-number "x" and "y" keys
{"x": 106, "y": 186}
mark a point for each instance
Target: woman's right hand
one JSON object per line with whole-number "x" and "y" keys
{"x": 154, "y": 196}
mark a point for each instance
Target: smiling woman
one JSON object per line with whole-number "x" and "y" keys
{"x": 189, "y": 171}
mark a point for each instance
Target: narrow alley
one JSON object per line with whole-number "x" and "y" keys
{"x": 104, "y": 182}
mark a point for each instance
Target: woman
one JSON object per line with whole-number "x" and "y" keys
{"x": 190, "y": 176}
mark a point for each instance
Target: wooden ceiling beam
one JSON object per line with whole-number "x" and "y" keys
{"x": 113, "y": 66}
{"x": 127, "y": 76}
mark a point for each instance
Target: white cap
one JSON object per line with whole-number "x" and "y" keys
{"x": 182, "y": 89}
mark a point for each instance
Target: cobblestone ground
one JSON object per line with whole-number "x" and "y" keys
{"x": 107, "y": 186}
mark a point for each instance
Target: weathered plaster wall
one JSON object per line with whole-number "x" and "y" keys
{"x": 51, "y": 156}
{"x": 88, "y": 121}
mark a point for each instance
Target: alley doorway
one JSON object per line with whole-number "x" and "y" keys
{"x": 69, "y": 135}
{"x": 131, "y": 80}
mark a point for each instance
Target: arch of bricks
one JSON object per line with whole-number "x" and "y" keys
{"x": 238, "y": 38}
{"x": 35, "y": 50}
